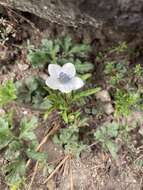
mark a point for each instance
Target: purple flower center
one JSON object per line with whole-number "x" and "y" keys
{"x": 64, "y": 78}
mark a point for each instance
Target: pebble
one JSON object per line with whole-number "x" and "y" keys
{"x": 103, "y": 96}
{"x": 23, "y": 67}
{"x": 43, "y": 76}
{"x": 2, "y": 112}
{"x": 45, "y": 7}
{"x": 108, "y": 108}
{"x": 25, "y": 112}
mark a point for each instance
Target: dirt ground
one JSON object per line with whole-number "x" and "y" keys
{"x": 95, "y": 170}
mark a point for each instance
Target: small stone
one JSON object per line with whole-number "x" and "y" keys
{"x": 45, "y": 7}
{"x": 25, "y": 112}
{"x": 103, "y": 96}
{"x": 23, "y": 67}
{"x": 2, "y": 112}
{"x": 43, "y": 76}
{"x": 135, "y": 118}
{"x": 108, "y": 108}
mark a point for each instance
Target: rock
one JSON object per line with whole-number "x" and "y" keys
{"x": 103, "y": 96}
{"x": 135, "y": 118}
{"x": 25, "y": 112}
{"x": 23, "y": 67}
{"x": 114, "y": 19}
{"x": 2, "y": 112}
{"x": 43, "y": 76}
{"x": 108, "y": 108}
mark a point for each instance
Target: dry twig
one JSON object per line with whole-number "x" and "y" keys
{"x": 66, "y": 169}
{"x": 71, "y": 177}
{"x": 51, "y": 132}
{"x": 57, "y": 168}
{"x": 33, "y": 176}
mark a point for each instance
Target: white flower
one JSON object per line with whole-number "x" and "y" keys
{"x": 63, "y": 78}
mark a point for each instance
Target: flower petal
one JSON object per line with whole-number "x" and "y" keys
{"x": 66, "y": 88}
{"x": 77, "y": 83}
{"x": 69, "y": 69}
{"x": 54, "y": 70}
{"x": 52, "y": 83}
{"x": 73, "y": 84}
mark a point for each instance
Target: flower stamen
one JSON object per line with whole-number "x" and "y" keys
{"x": 64, "y": 78}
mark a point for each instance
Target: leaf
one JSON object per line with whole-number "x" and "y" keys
{"x": 83, "y": 67}
{"x": 33, "y": 144}
{"x": 56, "y": 140}
{"x": 75, "y": 148}
{"x": 15, "y": 172}
{"x": 7, "y": 93}
{"x": 15, "y": 187}
{"x": 86, "y": 93}
{"x": 28, "y": 136}
{"x": 14, "y": 150}
{"x": 105, "y": 136}
{"x": 125, "y": 101}
{"x": 5, "y": 133}
{"x": 27, "y": 127}
{"x": 65, "y": 116}
{"x": 113, "y": 148}
{"x": 112, "y": 129}
{"x": 37, "y": 58}
{"x": 67, "y": 43}
{"x": 31, "y": 83}
{"x": 139, "y": 162}
{"x": 46, "y": 114}
{"x": 46, "y": 104}
{"x": 47, "y": 45}
{"x": 80, "y": 48}
{"x": 9, "y": 117}
{"x": 38, "y": 156}
{"x": 86, "y": 76}
{"x": 99, "y": 135}
{"x": 31, "y": 91}
{"x": 107, "y": 132}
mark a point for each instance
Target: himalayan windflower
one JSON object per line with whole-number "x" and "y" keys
{"x": 63, "y": 78}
